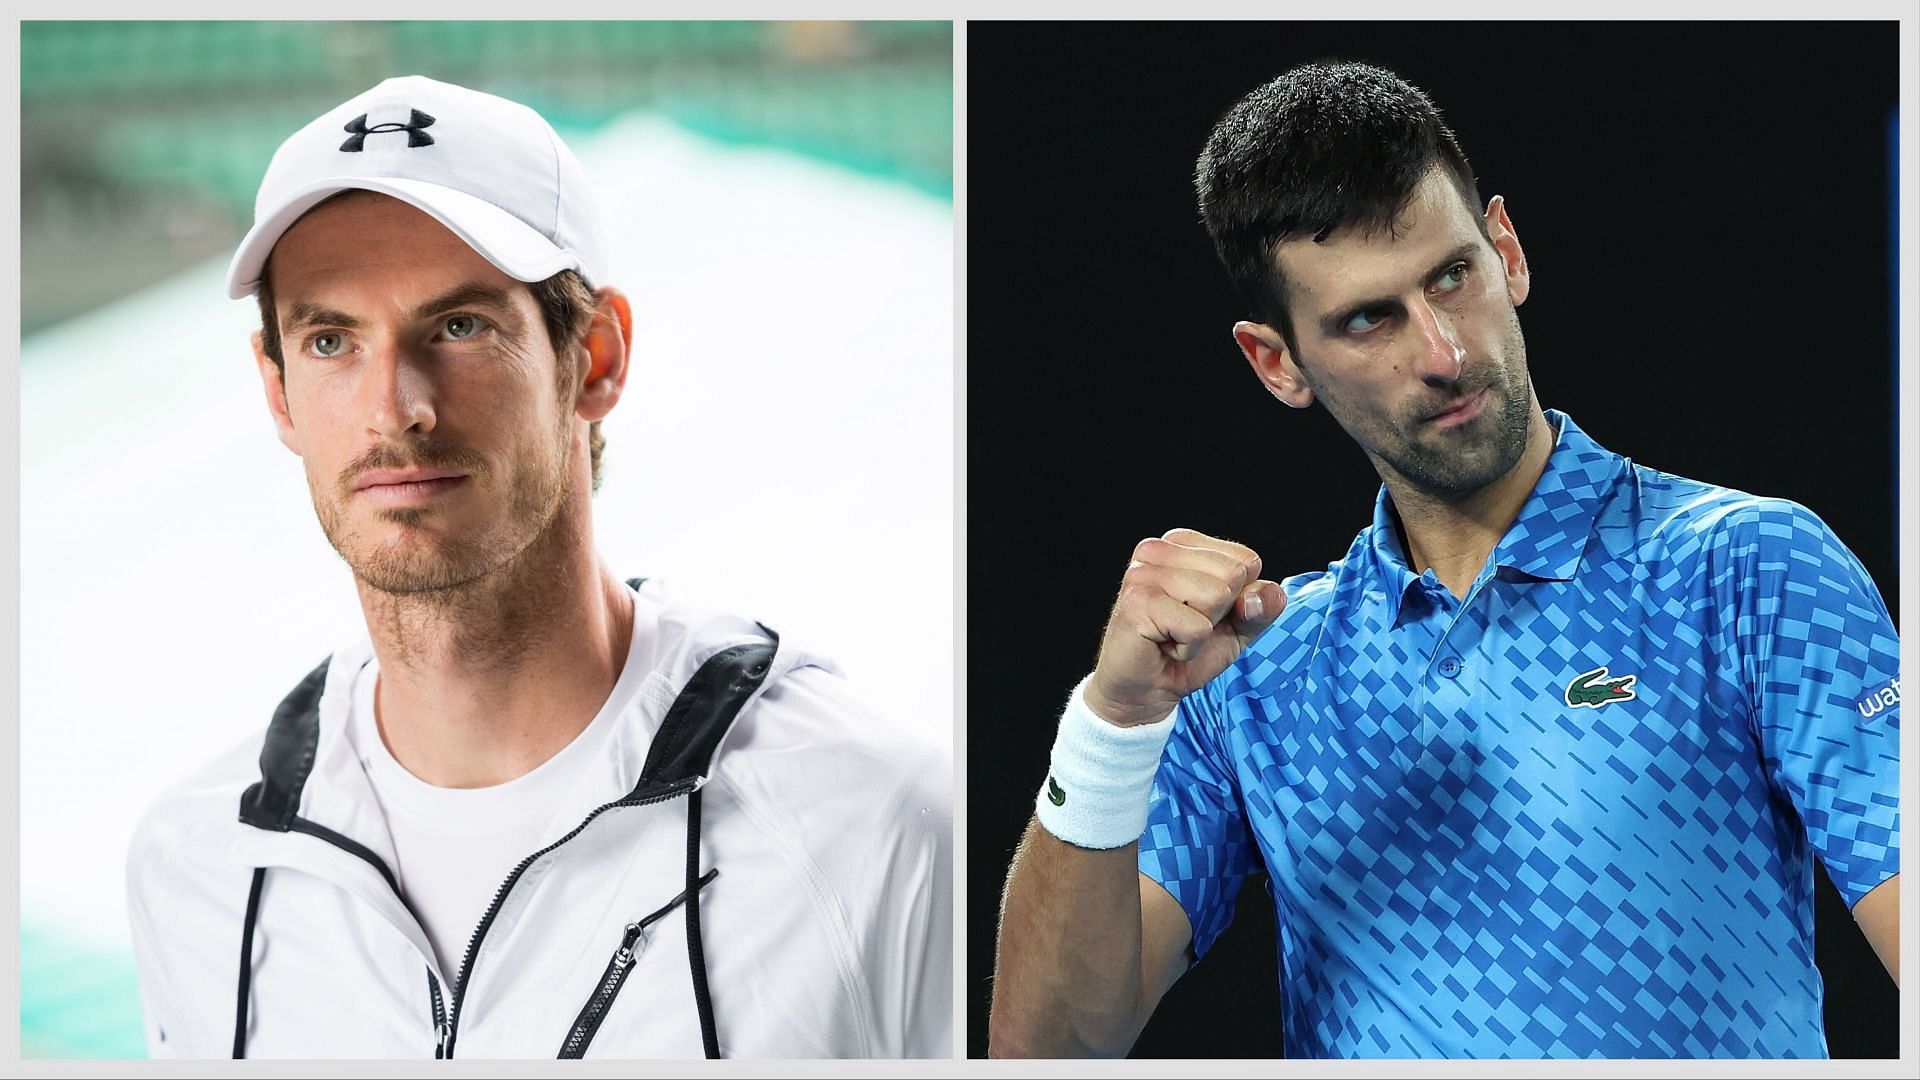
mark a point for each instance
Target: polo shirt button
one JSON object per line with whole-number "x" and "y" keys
{"x": 1449, "y": 666}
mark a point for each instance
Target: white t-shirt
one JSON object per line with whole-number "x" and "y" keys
{"x": 454, "y": 846}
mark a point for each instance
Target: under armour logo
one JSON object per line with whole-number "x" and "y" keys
{"x": 415, "y": 135}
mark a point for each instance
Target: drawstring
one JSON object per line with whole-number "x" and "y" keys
{"x": 246, "y": 963}
{"x": 702, "y": 999}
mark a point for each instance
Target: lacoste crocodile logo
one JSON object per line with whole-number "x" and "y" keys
{"x": 1055, "y": 794}
{"x": 1594, "y": 689}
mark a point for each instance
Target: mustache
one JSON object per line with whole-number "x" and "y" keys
{"x": 1431, "y": 410}
{"x": 420, "y": 455}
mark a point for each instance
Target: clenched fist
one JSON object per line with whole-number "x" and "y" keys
{"x": 1189, "y": 605}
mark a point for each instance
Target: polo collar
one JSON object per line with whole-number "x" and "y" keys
{"x": 1549, "y": 538}
{"x": 1546, "y": 542}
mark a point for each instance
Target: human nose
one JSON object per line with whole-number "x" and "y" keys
{"x": 1441, "y": 356}
{"x": 396, "y": 394}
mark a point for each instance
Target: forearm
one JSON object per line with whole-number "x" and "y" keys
{"x": 1087, "y": 944}
{"x": 1067, "y": 979}
{"x": 1878, "y": 914}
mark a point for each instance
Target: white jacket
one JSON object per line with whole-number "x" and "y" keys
{"x": 826, "y": 931}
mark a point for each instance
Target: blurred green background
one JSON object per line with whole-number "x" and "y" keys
{"x": 142, "y": 142}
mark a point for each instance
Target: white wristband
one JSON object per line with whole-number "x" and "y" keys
{"x": 1102, "y": 777}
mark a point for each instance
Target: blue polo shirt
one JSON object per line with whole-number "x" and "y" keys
{"x": 1573, "y": 814}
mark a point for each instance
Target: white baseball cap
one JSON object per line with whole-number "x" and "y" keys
{"x": 491, "y": 170}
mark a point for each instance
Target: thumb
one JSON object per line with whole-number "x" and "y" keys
{"x": 1256, "y": 607}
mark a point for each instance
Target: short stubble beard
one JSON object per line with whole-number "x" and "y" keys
{"x": 486, "y": 596}
{"x": 1452, "y": 473}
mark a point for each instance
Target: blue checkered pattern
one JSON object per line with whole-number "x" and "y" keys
{"x": 1465, "y": 862}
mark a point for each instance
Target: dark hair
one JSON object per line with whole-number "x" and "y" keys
{"x": 566, "y": 306}
{"x": 1325, "y": 145}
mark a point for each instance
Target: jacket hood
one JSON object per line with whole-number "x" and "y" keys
{"x": 685, "y": 665}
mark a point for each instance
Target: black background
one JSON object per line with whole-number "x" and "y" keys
{"x": 1706, "y": 210}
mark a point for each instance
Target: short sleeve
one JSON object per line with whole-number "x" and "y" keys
{"x": 1822, "y": 662}
{"x": 1198, "y": 844}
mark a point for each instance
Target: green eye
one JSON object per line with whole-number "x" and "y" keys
{"x": 1365, "y": 321}
{"x": 328, "y": 344}
{"x": 460, "y": 327}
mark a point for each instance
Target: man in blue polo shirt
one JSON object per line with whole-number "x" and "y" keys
{"x": 1540, "y": 766}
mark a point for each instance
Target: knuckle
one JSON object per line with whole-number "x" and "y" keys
{"x": 1138, "y": 595}
{"x": 1222, "y": 593}
{"x": 1143, "y": 573}
{"x": 1230, "y": 569}
{"x": 1191, "y": 621}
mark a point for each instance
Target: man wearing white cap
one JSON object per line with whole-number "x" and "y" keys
{"x": 538, "y": 810}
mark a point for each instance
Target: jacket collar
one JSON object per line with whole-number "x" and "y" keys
{"x": 709, "y": 667}
{"x": 1547, "y": 540}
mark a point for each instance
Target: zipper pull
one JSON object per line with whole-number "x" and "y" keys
{"x": 630, "y": 940}
{"x": 627, "y": 942}
{"x": 444, "y": 1031}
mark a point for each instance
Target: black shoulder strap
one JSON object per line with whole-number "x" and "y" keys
{"x": 287, "y": 756}
{"x": 706, "y": 708}
{"x": 273, "y": 802}
{"x": 695, "y": 724}
{"x": 701, "y": 716}
{"x": 683, "y": 748}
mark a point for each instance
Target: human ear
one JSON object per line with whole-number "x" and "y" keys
{"x": 1507, "y": 243}
{"x": 608, "y": 351}
{"x": 1273, "y": 363}
{"x": 275, "y": 382}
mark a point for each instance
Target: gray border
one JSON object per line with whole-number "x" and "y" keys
{"x": 10, "y": 557}
{"x": 960, "y": 748}
{"x": 1909, "y": 547}
{"x": 1909, "y": 495}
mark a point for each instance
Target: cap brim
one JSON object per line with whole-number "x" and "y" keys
{"x": 518, "y": 249}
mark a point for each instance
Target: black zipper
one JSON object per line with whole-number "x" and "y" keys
{"x": 587, "y": 1024}
{"x": 440, "y": 1030}
{"x": 452, "y": 1030}
{"x": 694, "y": 724}
{"x": 443, "y": 1022}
